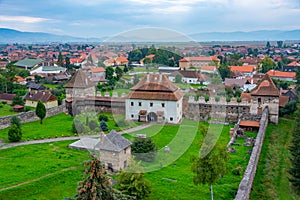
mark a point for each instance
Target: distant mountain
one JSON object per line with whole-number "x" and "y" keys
{"x": 14, "y": 36}
{"x": 261, "y": 35}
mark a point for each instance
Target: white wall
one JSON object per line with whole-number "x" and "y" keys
{"x": 172, "y": 109}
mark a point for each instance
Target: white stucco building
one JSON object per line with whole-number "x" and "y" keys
{"x": 154, "y": 98}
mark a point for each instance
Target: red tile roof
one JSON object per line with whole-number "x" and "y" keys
{"x": 266, "y": 88}
{"x": 199, "y": 58}
{"x": 97, "y": 69}
{"x": 155, "y": 87}
{"x": 244, "y": 69}
{"x": 246, "y": 96}
{"x": 275, "y": 73}
{"x": 292, "y": 64}
{"x": 249, "y": 123}
{"x": 283, "y": 100}
{"x": 44, "y": 96}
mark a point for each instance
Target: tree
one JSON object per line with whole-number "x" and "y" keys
{"x": 279, "y": 44}
{"x": 268, "y": 45}
{"x": 224, "y": 71}
{"x": 60, "y": 60}
{"x": 267, "y": 64}
{"x": 17, "y": 100}
{"x": 125, "y": 70}
{"x": 24, "y": 73}
{"x": 14, "y": 133}
{"x": 109, "y": 73}
{"x": 103, "y": 126}
{"x": 103, "y": 117}
{"x": 68, "y": 64}
{"x": 289, "y": 108}
{"x": 294, "y": 171}
{"x": 144, "y": 149}
{"x": 178, "y": 78}
{"x": 208, "y": 168}
{"x": 131, "y": 181}
{"x": 119, "y": 72}
{"x": 15, "y": 121}
{"x": 93, "y": 124}
{"x": 40, "y": 111}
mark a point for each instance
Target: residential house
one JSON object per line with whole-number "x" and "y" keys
{"x": 191, "y": 77}
{"x": 291, "y": 67}
{"x": 20, "y": 80}
{"x": 154, "y": 98}
{"x": 29, "y": 64}
{"x": 197, "y": 62}
{"x": 48, "y": 99}
{"x": 8, "y": 98}
{"x": 283, "y": 76}
{"x": 48, "y": 70}
{"x": 209, "y": 69}
{"x": 97, "y": 74}
{"x": 246, "y": 70}
{"x": 35, "y": 86}
{"x": 121, "y": 61}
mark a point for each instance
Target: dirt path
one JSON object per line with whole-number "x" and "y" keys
{"x": 10, "y": 145}
{"x": 37, "y": 179}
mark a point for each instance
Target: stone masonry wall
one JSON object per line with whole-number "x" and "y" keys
{"x": 246, "y": 183}
{"x": 30, "y": 116}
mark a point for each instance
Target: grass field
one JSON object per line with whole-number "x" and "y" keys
{"x": 5, "y": 110}
{"x": 271, "y": 180}
{"x": 51, "y": 171}
{"x": 44, "y": 171}
{"x": 55, "y": 126}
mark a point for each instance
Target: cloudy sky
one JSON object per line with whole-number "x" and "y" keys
{"x": 98, "y": 18}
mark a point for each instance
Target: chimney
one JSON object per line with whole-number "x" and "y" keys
{"x": 252, "y": 81}
{"x": 148, "y": 77}
{"x": 160, "y": 77}
{"x": 86, "y": 81}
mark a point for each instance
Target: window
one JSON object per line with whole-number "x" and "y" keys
{"x": 125, "y": 163}
{"x": 171, "y": 119}
{"x": 132, "y": 116}
{"x": 259, "y": 101}
{"x": 140, "y": 103}
{"x": 132, "y": 104}
{"x": 151, "y": 104}
{"x": 163, "y": 105}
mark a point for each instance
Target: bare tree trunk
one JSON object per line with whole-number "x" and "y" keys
{"x": 211, "y": 192}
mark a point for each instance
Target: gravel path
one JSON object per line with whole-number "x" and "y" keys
{"x": 10, "y": 145}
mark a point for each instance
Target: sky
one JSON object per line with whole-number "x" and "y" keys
{"x": 106, "y": 18}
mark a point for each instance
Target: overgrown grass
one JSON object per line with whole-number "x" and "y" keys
{"x": 271, "y": 180}
{"x": 44, "y": 171}
{"x": 55, "y": 126}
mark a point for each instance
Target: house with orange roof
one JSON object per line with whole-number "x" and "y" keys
{"x": 246, "y": 70}
{"x": 151, "y": 56}
{"x": 109, "y": 62}
{"x": 291, "y": 67}
{"x": 20, "y": 80}
{"x": 121, "y": 60}
{"x": 284, "y": 76}
{"x": 209, "y": 69}
{"x": 97, "y": 74}
{"x": 197, "y": 62}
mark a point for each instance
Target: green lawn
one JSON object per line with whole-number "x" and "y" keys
{"x": 44, "y": 171}
{"x": 5, "y": 110}
{"x": 175, "y": 181}
{"x": 55, "y": 126}
{"x": 53, "y": 170}
{"x": 271, "y": 180}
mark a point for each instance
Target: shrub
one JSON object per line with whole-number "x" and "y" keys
{"x": 14, "y": 133}
{"x": 144, "y": 149}
{"x": 103, "y": 117}
{"x": 217, "y": 98}
{"x": 4, "y": 102}
{"x": 15, "y": 121}
{"x": 77, "y": 126}
{"x": 238, "y": 99}
{"x": 103, "y": 126}
{"x": 27, "y": 108}
{"x": 93, "y": 125}
{"x": 1, "y": 105}
{"x": 121, "y": 123}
